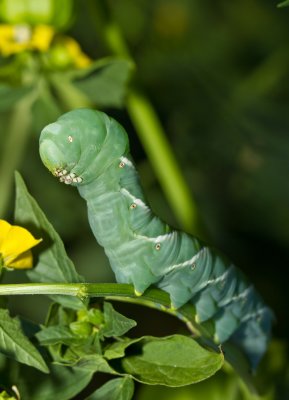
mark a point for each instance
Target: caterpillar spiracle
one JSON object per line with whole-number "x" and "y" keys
{"x": 90, "y": 150}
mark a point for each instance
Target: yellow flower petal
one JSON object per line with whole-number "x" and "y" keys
{"x": 15, "y": 243}
{"x": 4, "y": 229}
{"x": 42, "y": 37}
{"x": 80, "y": 59}
{"x": 17, "y": 38}
{"x": 24, "y": 261}
{"x": 14, "y": 38}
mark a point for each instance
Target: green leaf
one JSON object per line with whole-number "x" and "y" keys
{"x": 58, "y": 315}
{"x": 5, "y": 396}
{"x": 57, "y": 334}
{"x": 10, "y": 95}
{"x": 106, "y": 85}
{"x": 222, "y": 386}
{"x": 14, "y": 344}
{"x": 283, "y": 4}
{"x": 53, "y": 264}
{"x": 93, "y": 315}
{"x": 63, "y": 383}
{"x": 63, "y": 334}
{"x": 78, "y": 353}
{"x": 115, "y": 389}
{"x": 172, "y": 361}
{"x": 116, "y": 324}
{"x": 94, "y": 363}
{"x": 117, "y": 349}
{"x": 45, "y": 108}
{"x": 81, "y": 329}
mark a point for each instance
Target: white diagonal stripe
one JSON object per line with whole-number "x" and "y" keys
{"x": 127, "y": 162}
{"x": 134, "y": 199}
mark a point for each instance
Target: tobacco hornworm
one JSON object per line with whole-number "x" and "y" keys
{"x": 90, "y": 150}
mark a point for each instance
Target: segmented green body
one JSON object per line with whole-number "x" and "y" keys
{"x": 88, "y": 149}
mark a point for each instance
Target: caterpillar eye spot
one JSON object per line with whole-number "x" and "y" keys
{"x": 193, "y": 266}
{"x": 158, "y": 246}
{"x": 121, "y": 164}
{"x": 70, "y": 139}
{"x": 132, "y": 206}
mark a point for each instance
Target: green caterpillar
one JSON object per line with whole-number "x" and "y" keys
{"x": 90, "y": 150}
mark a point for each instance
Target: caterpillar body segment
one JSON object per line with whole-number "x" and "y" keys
{"x": 90, "y": 150}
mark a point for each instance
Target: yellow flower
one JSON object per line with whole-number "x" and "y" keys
{"x": 17, "y": 38}
{"x": 15, "y": 245}
{"x": 80, "y": 59}
{"x": 65, "y": 52}
{"x": 9, "y": 39}
{"x": 42, "y": 37}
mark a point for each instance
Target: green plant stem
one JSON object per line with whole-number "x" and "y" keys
{"x": 69, "y": 289}
{"x": 149, "y": 127}
{"x": 69, "y": 95}
{"x": 153, "y": 298}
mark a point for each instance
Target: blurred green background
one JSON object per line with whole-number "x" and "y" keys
{"x": 216, "y": 74}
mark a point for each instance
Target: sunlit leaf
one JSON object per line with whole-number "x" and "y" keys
{"x": 172, "y": 361}
{"x": 116, "y": 324}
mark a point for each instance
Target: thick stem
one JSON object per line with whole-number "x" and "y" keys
{"x": 69, "y": 95}
{"x": 84, "y": 290}
{"x": 153, "y": 298}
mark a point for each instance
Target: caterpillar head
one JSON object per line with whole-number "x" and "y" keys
{"x": 80, "y": 145}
